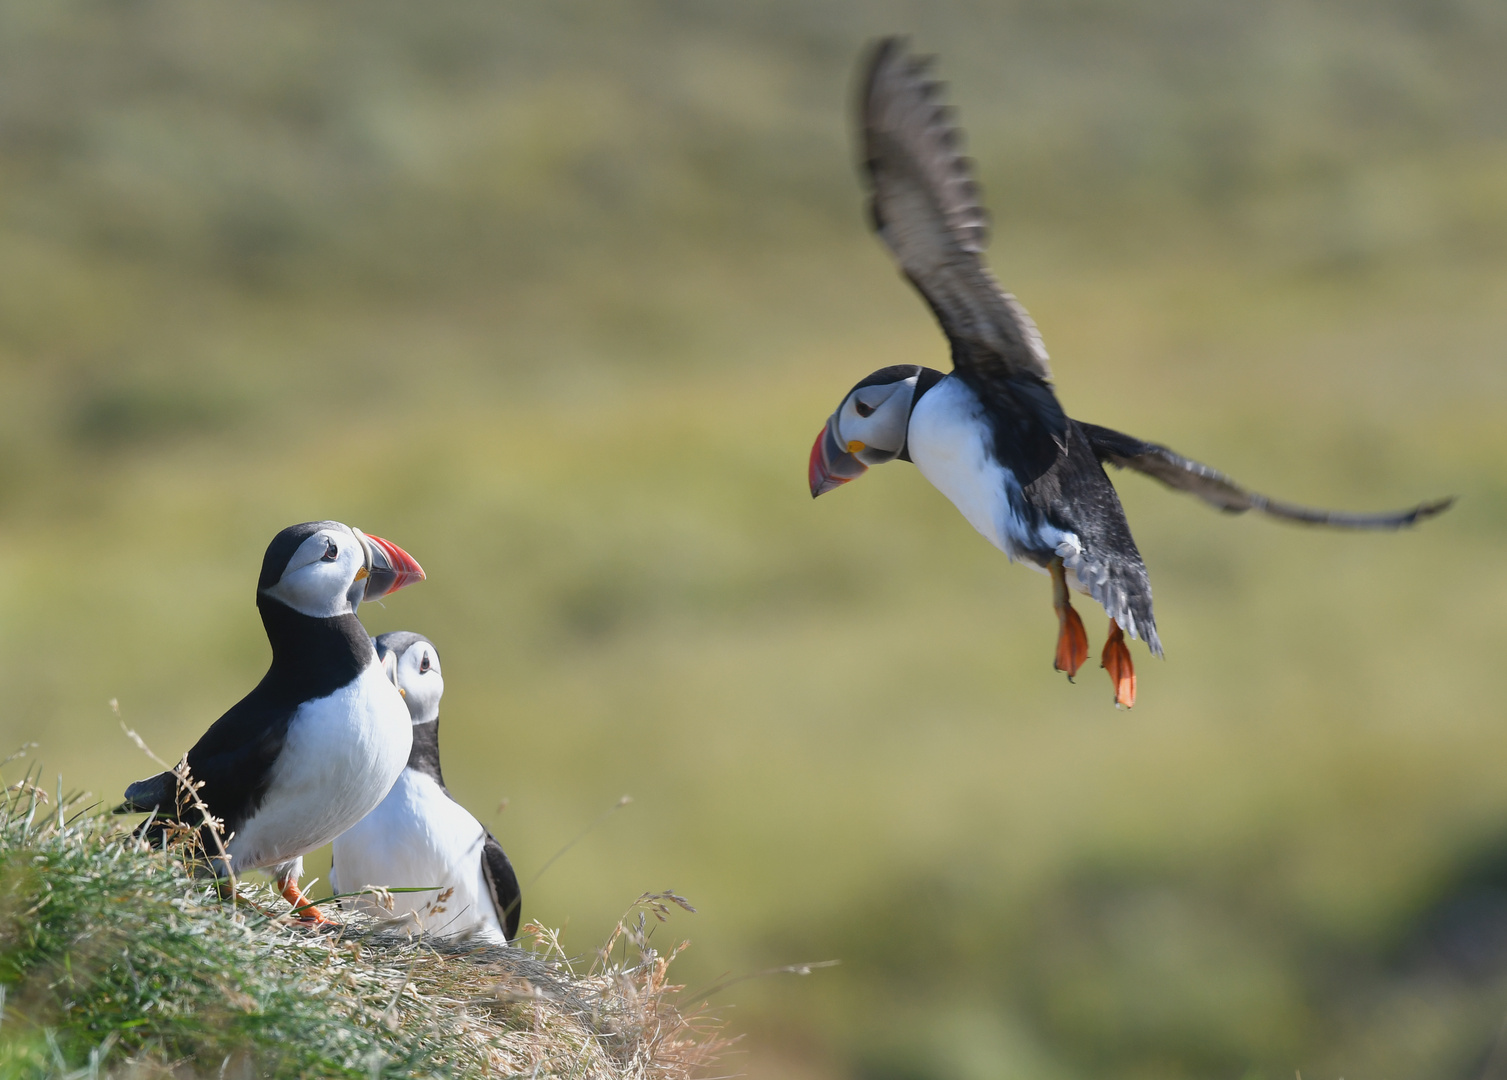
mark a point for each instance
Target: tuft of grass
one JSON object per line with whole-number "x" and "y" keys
{"x": 116, "y": 960}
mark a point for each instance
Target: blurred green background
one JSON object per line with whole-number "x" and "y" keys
{"x": 556, "y": 295}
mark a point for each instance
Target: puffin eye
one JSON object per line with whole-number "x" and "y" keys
{"x": 864, "y": 411}
{"x": 424, "y": 664}
{"x": 331, "y": 551}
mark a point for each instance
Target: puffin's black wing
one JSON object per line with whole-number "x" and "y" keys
{"x": 233, "y": 760}
{"x": 1217, "y": 489}
{"x": 925, "y": 207}
{"x": 507, "y": 897}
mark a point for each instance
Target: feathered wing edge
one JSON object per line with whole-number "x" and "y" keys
{"x": 502, "y": 882}
{"x": 1218, "y": 490}
{"x": 925, "y": 206}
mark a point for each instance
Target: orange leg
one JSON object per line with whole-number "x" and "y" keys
{"x": 1072, "y": 639}
{"x": 303, "y": 909}
{"x": 1116, "y": 660}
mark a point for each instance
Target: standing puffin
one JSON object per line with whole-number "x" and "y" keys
{"x": 420, "y": 836}
{"x": 991, "y": 435}
{"x": 320, "y": 740}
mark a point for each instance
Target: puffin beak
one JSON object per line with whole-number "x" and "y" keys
{"x": 831, "y": 463}
{"x": 388, "y": 568}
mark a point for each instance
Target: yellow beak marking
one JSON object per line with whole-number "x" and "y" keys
{"x": 855, "y": 446}
{"x": 362, "y": 574}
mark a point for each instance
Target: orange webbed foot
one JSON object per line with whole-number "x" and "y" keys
{"x": 1072, "y": 642}
{"x": 303, "y": 908}
{"x": 1072, "y": 639}
{"x": 1116, "y": 660}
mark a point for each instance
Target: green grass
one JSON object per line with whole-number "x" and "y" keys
{"x": 115, "y": 960}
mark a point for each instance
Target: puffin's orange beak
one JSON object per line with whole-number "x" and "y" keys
{"x": 391, "y": 568}
{"x": 831, "y": 464}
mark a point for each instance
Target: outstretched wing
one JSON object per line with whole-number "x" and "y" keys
{"x": 502, "y": 883}
{"x": 1217, "y": 489}
{"x": 925, "y": 206}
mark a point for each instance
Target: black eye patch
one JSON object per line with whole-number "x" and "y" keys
{"x": 331, "y": 551}
{"x": 864, "y": 411}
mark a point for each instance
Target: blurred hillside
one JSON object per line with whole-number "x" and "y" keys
{"x": 556, "y": 296}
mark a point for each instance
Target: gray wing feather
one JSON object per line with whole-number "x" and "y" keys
{"x": 925, "y": 206}
{"x": 1217, "y": 489}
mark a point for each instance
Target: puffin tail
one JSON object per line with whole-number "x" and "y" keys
{"x": 155, "y": 793}
{"x": 1123, "y": 588}
{"x": 1127, "y": 598}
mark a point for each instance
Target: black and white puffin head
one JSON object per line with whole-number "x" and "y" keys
{"x": 324, "y": 569}
{"x": 413, "y": 664}
{"x": 869, "y": 427}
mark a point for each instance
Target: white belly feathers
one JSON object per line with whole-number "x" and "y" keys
{"x": 949, "y": 442}
{"x": 341, "y": 756}
{"x": 420, "y": 837}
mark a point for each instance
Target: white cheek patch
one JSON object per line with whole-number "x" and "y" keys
{"x": 424, "y": 699}
{"x": 883, "y": 431}
{"x": 318, "y": 588}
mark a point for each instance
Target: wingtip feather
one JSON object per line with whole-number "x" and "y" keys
{"x": 1434, "y": 508}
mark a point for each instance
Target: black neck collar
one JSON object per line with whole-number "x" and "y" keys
{"x": 312, "y": 657}
{"x": 425, "y": 755}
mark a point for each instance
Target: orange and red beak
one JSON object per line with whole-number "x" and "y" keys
{"x": 388, "y": 567}
{"x": 831, "y": 464}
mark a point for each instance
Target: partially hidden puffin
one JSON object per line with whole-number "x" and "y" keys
{"x": 320, "y": 740}
{"x": 991, "y": 435}
{"x": 420, "y": 837}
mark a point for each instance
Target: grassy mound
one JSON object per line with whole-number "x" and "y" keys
{"x": 115, "y": 960}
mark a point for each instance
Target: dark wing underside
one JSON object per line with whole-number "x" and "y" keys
{"x": 502, "y": 882}
{"x": 925, "y": 206}
{"x": 1217, "y": 489}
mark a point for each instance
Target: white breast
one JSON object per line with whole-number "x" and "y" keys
{"x": 420, "y": 837}
{"x": 949, "y": 440}
{"x": 341, "y": 756}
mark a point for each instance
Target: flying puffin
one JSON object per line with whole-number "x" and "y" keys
{"x": 320, "y": 740}
{"x": 991, "y": 435}
{"x": 420, "y": 836}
